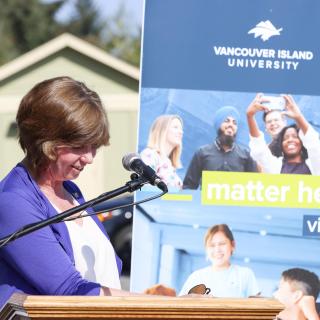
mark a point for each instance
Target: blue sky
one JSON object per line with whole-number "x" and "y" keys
{"x": 133, "y": 8}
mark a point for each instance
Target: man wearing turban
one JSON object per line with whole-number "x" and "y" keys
{"x": 224, "y": 154}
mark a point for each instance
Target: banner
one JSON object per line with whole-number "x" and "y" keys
{"x": 212, "y": 69}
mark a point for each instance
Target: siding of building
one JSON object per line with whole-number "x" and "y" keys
{"x": 117, "y": 89}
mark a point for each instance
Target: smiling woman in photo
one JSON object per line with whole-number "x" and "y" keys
{"x": 223, "y": 278}
{"x": 164, "y": 149}
{"x": 299, "y": 143}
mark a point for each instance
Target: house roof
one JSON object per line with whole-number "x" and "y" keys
{"x": 63, "y": 41}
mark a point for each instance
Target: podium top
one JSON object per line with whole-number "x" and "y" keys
{"x": 153, "y": 307}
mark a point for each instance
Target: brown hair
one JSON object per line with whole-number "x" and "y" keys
{"x": 218, "y": 228}
{"x": 158, "y": 135}
{"x": 265, "y": 114}
{"x": 59, "y": 111}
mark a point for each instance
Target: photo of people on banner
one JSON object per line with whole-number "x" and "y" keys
{"x": 229, "y": 118}
{"x": 244, "y": 140}
{"x": 290, "y": 144}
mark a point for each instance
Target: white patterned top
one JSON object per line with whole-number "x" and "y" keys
{"x": 162, "y": 166}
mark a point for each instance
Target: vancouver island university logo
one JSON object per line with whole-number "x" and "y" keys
{"x": 265, "y": 30}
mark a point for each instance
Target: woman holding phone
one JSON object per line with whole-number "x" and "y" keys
{"x": 298, "y": 143}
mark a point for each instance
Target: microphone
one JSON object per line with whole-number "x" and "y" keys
{"x": 133, "y": 162}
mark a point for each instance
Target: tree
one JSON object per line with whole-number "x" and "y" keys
{"x": 86, "y": 22}
{"x": 112, "y": 34}
{"x": 25, "y": 25}
{"x": 122, "y": 40}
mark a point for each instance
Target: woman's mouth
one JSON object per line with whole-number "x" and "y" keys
{"x": 292, "y": 146}
{"x": 78, "y": 168}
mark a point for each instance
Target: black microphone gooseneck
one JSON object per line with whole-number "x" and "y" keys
{"x": 130, "y": 186}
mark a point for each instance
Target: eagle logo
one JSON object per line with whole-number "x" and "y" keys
{"x": 265, "y": 30}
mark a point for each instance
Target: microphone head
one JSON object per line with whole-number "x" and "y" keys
{"x": 128, "y": 159}
{"x": 133, "y": 162}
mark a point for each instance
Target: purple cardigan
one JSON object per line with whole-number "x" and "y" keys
{"x": 42, "y": 262}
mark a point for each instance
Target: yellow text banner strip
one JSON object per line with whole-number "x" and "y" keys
{"x": 260, "y": 190}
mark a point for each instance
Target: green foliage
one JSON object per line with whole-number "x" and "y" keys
{"x": 86, "y": 23}
{"x": 122, "y": 40}
{"x": 26, "y": 24}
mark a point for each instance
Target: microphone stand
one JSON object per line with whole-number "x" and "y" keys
{"x": 131, "y": 186}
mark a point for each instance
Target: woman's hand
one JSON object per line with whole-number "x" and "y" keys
{"x": 161, "y": 290}
{"x": 257, "y": 105}
{"x": 292, "y": 109}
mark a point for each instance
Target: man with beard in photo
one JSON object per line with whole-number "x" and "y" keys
{"x": 224, "y": 154}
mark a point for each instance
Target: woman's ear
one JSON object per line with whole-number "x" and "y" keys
{"x": 49, "y": 150}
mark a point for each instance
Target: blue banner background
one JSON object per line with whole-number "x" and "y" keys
{"x": 179, "y": 37}
{"x": 182, "y": 75}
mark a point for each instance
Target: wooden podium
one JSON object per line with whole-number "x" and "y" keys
{"x": 73, "y": 307}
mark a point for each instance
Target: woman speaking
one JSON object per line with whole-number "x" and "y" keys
{"x": 61, "y": 126}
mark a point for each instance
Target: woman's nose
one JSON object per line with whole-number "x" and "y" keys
{"x": 291, "y": 139}
{"x": 89, "y": 155}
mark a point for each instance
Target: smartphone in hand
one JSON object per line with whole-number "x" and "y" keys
{"x": 274, "y": 103}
